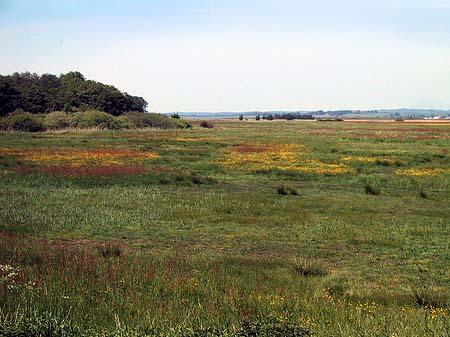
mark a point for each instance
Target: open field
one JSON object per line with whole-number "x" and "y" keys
{"x": 248, "y": 228}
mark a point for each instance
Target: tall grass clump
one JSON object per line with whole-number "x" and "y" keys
{"x": 372, "y": 189}
{"x": 423, "y": 194}
{"x": 282, "y": 190}
{"x": 431, "y": 298}
{"x": 308, "y": 267}
{"x": 206, "y": 125}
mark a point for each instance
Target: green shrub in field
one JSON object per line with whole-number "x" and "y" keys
{"x": 372, "y": 189}
{"x": 3, "y": 124}
{"x": 206, "y": 125}
{"x": 110, "y": 250}
{"x": 142, "y": 120}
{"x": 97, "y": 119}
{"x": 308, "y": 267}
{"x": 282, "y": 190}
{"x": 294, "y": 191}
{"x": 423, "y": 194}
{"x": 200, "y": 180}
{"x": 57, "y": 120}
{"x": 272, "y": 327}
{"x": 24, "y": 121}
{"x": 431, "y": 298}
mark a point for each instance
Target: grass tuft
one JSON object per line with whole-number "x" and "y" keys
{"x": 308, "y": 267}
{"x": 282, "y": 190}
{"x": 430, "y": 298}
{"x": 423, "y": 194}
{"x": 372, "y": 189}
{"x": 110, "y": 250}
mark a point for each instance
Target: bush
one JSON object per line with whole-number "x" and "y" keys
{"x": 271, "y": 326}
{"x": 206, "y": 124}
{"x": 431, "y": 298}
{"x": 199, "y": 180}
{"x": 308, "y": 267}
{"x": 372, "y": 189}
{"x": 423, "y": 194}
{"x": 282, "y": 190}
{"x": 24, "y": 121}
{"x": 57, "y": 120}
{"x": 110, "y": 250}
{"x": 142, "y": 120}
{"x": 97, "y": 119}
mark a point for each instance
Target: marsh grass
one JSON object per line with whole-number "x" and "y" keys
{"x": 193, "y": 248}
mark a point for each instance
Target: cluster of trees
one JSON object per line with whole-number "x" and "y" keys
{"x": 69, "y": 92}
{"x": 287, "y": 116}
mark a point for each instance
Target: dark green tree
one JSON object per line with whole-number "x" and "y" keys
{"x": 68, "y": 92}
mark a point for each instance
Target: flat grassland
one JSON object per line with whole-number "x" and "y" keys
{"x": 248, "y": 228}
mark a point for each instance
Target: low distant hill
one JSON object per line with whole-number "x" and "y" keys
{"x": 68, "y": 92}
{"x": 381, "y": 113}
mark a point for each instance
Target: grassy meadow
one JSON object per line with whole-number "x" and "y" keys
{"x": 245, "y": 229}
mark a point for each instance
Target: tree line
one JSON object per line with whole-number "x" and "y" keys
{"x": 69, "y": 92}
{"x": 287, "y": 116}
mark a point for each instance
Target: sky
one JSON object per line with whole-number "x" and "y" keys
{"x": 240, "y": 55}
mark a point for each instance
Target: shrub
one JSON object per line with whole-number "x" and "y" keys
{"x": 199, "y": 180}
{"x": 153, "y": 120}
{"x": 431, "y": 298}
{"x": 110, "y": 250}
{"x": 372, "y": 189}
{"x": 97, "y": 119}
{"x": 57, "y": 120}
{"x": 423, "y": 194}
{"x": 175, "y": 115}
{"x": 24, "y": 121}
{"x": 271, "y": 326}
{"x": 206, "y": 124}
{"x": 308, "y": 267}
{"x": 294, "y": 191}
{"x": 3, "y": 124}
{"x": 282, "y": 190}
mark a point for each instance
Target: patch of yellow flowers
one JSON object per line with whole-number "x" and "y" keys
{"x": 76, "y": 157}
{"x": 273, "y": 300}
{"x": 422, "y": 172}
{"x": 285, "y": 157}
{"x": 359, "y": 159}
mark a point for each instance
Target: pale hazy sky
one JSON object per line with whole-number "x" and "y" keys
{"x": 240, "y": 55}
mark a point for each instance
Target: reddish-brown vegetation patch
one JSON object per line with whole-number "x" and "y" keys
{"x": 250, "y": 148}
{"x": 85, "y": 171}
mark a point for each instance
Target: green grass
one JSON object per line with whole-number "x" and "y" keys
{"x": 198, "y": 249}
